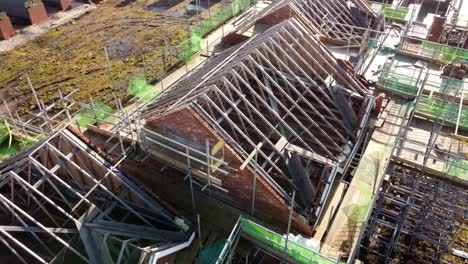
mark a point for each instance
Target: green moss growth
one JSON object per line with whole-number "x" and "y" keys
{"x": 72, "y": 56}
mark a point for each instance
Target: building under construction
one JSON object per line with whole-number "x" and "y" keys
{"x": 292, "y": 131}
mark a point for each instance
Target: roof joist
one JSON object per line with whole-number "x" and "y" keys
{"x": 275, "y": 85}
{"x": 64, "y": 197}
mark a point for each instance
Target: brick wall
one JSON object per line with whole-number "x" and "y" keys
{"x": 234, "y": 38}
{"x": 278, "y": 15}
{"x": 188, "y": 124}
{"x": 6, "y": 29}
{"x": 37, "y": 14}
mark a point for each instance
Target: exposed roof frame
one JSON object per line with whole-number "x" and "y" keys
{"x": 56, "y": 192}
{"x": 295, "y": 31}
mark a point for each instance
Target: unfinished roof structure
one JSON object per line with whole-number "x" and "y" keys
{"x": 64, "y": 199}
{"x": 337, "y": 21}
{"x": 277, "y": 129}
{"x": 279, "y": 96}
{"x": 77, "y": 206}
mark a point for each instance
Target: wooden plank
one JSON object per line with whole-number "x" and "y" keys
{"x": 311, "y": 155}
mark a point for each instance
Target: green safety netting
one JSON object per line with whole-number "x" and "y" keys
{"x": 442, "y": 110}
{"x": 365, "y": 175}
{"x": 193, "y": 45}
{"x": 277, "y": 242}
{"x": 189, "y": 48}
{"x": 27, "y": 142}
{"x": 209, "y": 255}
{"x": 6, "y": 140}
{"x": 358, "y": 212}
{"x": 459, "y": 168}
{"x": 141, "y": 89}
{"x": 220, "y": 17}
{"x": 444, "y": 53}
{"x": 10, "y": 144}
{"x": 395, "y": 13}
{"x": 398, "y": 83}
{"x": 97, "y": 110}
{"x": 451, "y": 86}
{"x": 5, "y": 132}
{"x": 7, "y": 152}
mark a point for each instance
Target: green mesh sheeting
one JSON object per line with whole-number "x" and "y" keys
{"x": 5, "y": 132}
{"x": 140, "y": 88}
{"x": 442, "y": 110}
{"x": 189, "y": 48}
{"x": 24, "y": 143}
{"x": 395, "y": 13}
{"x": 6, "y": 140}
{"x": 11, "y": 143}
{"x": 357, "y": 212}
{"x": 451, "y": 86}
{"x": 209, "y": 255}
{"x": 277, "y": 242}
{"x": 459, "y": 169}
{"x": 444, "y": 53}
{"x": 7, "y": 152}
{"x": 88, "y": 116}
{"x": 220, "y": 17}
{"x": 192, "y": 46}
{"x": 397, "y": 83}
{"x": 369, "y": 168}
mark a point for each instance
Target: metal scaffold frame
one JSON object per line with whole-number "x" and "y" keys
{"x": 417, "y": 204}
{"x": 47, "y": 119}
{"x": 75, "y": 204}
{"x": 336, "y": 21}
{"x": 266, "y": 74}
{"x": 415, "y": 210}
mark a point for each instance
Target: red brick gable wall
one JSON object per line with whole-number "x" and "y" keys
{"x": 278, "y": 15}
{"x": 186, "y": 123}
